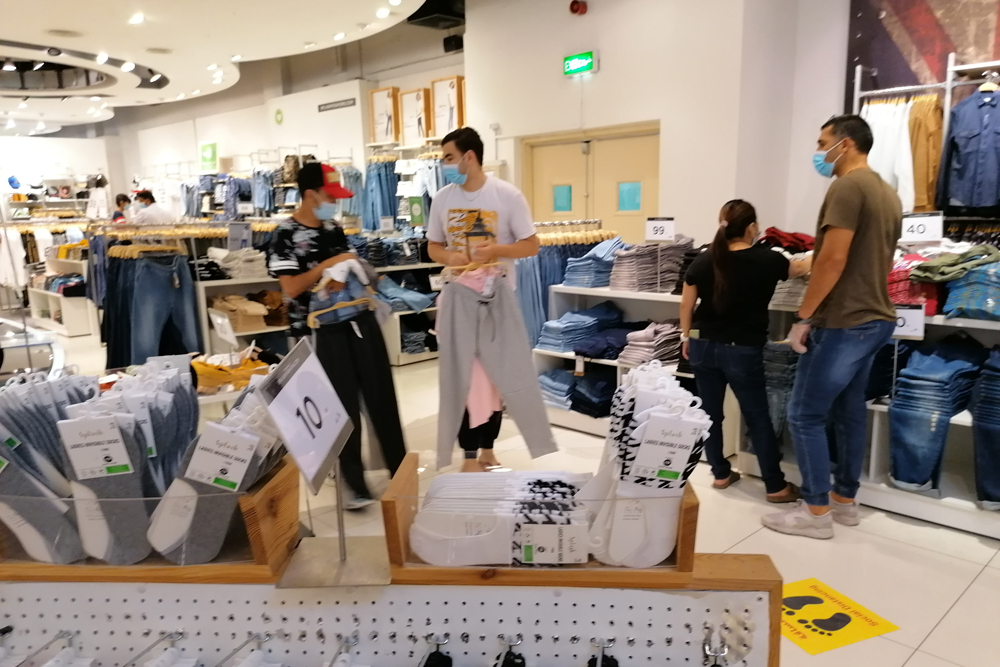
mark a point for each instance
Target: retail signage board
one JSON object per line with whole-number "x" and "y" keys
{"x": 223, "y": 326}
{"x": 312, "y": 420}
{"x": 244, "y": 208}
{"x": 910, "y": 322}
{"x": 240, "y": 236}
{"x": 923, "y": 228}
{"x": 339, "y": 104}
{"x": 387, "y": 223}
{"x": 209, "y": 155}
{"x": 580, "y": 63}
{"x": 819, "y": 619}
{"x": 417, "y": 212}
{"x": 659, "y": 230}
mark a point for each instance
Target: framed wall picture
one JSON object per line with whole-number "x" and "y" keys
{"x": 417, "y": 119}
{"x": 449, "y": 104}
{"x": 384, "y": 115}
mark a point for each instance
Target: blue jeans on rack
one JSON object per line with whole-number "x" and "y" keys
{"x": 163, "y": 291}
{"x": 742, "y": 368}
{"x": 830, "y": 382}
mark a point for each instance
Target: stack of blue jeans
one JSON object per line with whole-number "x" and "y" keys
{"x": 564, "y": 334}
{"x": 401, "y": 299}
{"x": 936, "y": 384}
{"x": 986, "y": 433}
{"x": 557, "y": 388}
{"x": 974, "y": 294}
{"x": 594, "y": 268}
{"x": 594, "y": 391}
{"x": 530, "y": 296}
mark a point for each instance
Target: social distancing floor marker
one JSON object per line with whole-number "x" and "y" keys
{"x": 819, "y": 619}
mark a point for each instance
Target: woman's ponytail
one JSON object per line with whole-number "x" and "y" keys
{"x": 736, "y": 216}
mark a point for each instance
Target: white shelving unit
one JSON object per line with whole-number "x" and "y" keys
{"x": 206, "y": 289}
{"x": 392, "y": 332}
{"x": 77, "y": 313}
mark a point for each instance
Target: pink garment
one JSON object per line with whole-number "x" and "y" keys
{"x": 484, "y": 398}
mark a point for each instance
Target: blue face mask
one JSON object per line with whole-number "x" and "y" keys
{"x": 325, "y": 211}
{"x": 453, "y": 175}
{"x": 823, "y": 167}
{"x": 140, "y": 205}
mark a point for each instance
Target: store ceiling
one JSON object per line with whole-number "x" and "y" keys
{"x": 195, "y": 47}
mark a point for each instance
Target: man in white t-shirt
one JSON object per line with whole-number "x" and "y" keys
{"x": 478, "y": 219}
{"x": 148, "y": 212}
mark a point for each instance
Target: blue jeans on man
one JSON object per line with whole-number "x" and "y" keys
{"x": 830, "y": 384}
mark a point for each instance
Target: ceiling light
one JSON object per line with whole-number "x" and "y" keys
{"x": 155, "y": 78}
{"x": 213, "y": 67}
{"x": 40, "y": 126}
{"x": 137, "y": 19}
{"x": 195, "y": 92}
{"x": 37, "y": 66}
{"x": 101, "y": 58}
{"x": 128, "y": 67}
{"x": 11, "y": 124}
{"x": 104, "y": 106}
{"x": 395, "y": 3}
{"x": 95, "y": 98}
{"x": 181, "y": 96}
{"x": 236, "y": 58}
{"x": 217, "y": 81}
{"x": 91, "y": 110}
{"x": 339, "y": 36}
{"x": 22, "y": 105}
{"x": 308, "y": 45}
{"x": 54, "y": 52}
{"x": 9, "y": 66}
{"x": 31, "y": 134}
{"x": 382, "y": 12}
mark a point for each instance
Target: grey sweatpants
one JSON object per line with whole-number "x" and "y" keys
{"x": 471, "y": 325}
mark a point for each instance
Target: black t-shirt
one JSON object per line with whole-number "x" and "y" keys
{"x": 754, "y": 272}
{"x": 295, "y": 249}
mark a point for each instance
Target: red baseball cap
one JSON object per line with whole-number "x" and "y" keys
{"x": 318, "y": 176}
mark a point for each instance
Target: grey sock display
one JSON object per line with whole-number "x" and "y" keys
{"x": 41, "y": 524}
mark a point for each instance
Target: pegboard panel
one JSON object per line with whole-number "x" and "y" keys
{"x": 112, "y": 622}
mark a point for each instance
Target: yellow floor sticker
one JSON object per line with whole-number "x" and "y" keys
{"x": 819, "y": 619}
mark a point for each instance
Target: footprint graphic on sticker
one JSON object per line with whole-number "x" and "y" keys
{"x": 827, "y": 626}
{"x": 794, "y": 604}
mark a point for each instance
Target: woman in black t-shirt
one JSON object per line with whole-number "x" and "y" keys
{"x": 724, "y": 338}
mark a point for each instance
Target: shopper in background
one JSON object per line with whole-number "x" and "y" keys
{"x": 150, "y": 213}
{"x": 121, "y": 203}
{"x": 482, "y": 219}
{"x": 845, "y": 318}
{"x": 725, "y": 337}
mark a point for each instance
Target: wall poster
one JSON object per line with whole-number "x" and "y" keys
{"x": 385, "y": 115}
{"x": 417, "y": 119}
{"x": 449, "y": 104}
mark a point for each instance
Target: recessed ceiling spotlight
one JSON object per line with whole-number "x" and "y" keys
{"x": 137, "y": 19}
{"x": 64, "y": 33}
{"x": 236, "y": 58}
{"x": 104, "y": 106}
{"x": 196, "y": 92}
{"x": 101, "y": 58}
{"x": 40, "y": 126}
{"x": 217, "y": 81}
{"x": 309, "y": 45}
{"x": 155, "y": 78}
{"x": 181, "y": 96}
{"x": 364, "y": 26}
{"x": 31, "y": 134}
{"x": 159, "y": 51}
{"x": 395, "y": 3}
{"x": 54, "y": 52}
{"x": 95, "y": 98}
{"x": 382, "y": 12}
{"x": 128, "y": 67}
{"x": 22, "y": 105}
{"x": 339, "y": 36}
{"x": 91, "y": 110}
{"x": 37, "y": 66}
{"x": 11, "y": 124}
{"x": 213, "y": 67}
{"x": 9, "y": 66}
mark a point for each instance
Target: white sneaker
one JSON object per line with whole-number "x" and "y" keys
{"x": 847, "y": 514}
{"x": 353, "y": 502}
{"x": 800, "y": 521}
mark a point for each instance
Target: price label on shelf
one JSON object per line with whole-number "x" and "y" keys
{"x": 660, "y": 229}
{"x": 387, "y": 223}
{"x": 923, "y": 228}
{"x": 308, "y": 412}
{"x": 244, "y": 208}
{"x": 437, "y": 282}
{"x": 909, "y": 323}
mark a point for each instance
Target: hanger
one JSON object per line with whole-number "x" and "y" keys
{"x": 370, "y": 301}
{"x": 992, "y": 83}
{"x": 472, "y": 267}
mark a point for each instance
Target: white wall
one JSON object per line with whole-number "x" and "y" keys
{"x": 31, "y": 158}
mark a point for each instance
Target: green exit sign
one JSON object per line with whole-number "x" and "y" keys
{"x": 580, "y": 63}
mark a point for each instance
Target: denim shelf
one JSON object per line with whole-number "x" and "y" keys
{"x": 78, "y": 313}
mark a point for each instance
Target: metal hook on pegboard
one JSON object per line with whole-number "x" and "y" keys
{"x": 713, "y": 655}
{"x": 253, "y": 637}
{"x": 169, "y": 637}
{"x": 62, "y": 634}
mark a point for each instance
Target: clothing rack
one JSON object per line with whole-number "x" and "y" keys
{"x": 597, "y": 224}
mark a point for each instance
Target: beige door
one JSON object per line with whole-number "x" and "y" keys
{"x": 625, "y": 183}
{"x": 559, "y": 182}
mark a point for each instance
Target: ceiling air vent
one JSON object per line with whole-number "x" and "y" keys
{"x": 440, "y": 14}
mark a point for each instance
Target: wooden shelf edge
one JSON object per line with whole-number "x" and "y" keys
{"x": 213, "y": 573}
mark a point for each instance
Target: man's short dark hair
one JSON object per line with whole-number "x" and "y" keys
{"x": 122, "y": 199}
{"x": 310, "y": 177}
{"x": 850, "y": 126}
{"x": 466, "y": 139}
{"x": 146, "y": 195}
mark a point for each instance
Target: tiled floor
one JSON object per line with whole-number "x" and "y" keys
{"x": 941, "y": 587}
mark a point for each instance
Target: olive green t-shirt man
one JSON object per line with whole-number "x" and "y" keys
{"x": 865, "y": 204}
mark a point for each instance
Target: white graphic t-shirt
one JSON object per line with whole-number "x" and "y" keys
{"x": 496, "y": 213}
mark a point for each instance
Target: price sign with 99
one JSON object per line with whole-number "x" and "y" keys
{"x": 660, "y": 229}
{"x": 922, "y": 228}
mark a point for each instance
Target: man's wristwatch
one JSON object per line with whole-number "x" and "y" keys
{"x": 684, "y": 338}
{"x": 803, "y": 320}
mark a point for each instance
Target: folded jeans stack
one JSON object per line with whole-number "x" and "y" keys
{"x": 986, "y": 433}
{"x": 650, "y": 267}
{"x": 402, "y": 299}
{"x": 557, "y": 388}
{"x": 607, "y": 344}
{"x": 936, "y": 384}
{"x": 594, "y": 391}
{"x": 888, "y": 361}
{"x": 594, "y": 268}
{"x": 660, "y": 341}
{"x": 564, "y": 334}
{"x": 689, "y": 257}
{"x": 975, "y": 294}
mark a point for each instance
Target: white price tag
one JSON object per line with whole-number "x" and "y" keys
{"x": 240, "y": 233}
{"x": 221, "y": 457}
{"x": 910, "y": 322}
{"x": 578, "y": 367}
{"x": 554, "y": 545}
{"x": 308, "y": 412}
{"x": 95, "y": 447}
{"x": 437, "y": 283}
{"x": 387, "y": 223}
{"x": 223, "y": 326}
{"x": 244, "y": 208}
{"x": 665, "y": 449}
{"x": 923, "y": 227}
{"x": 660, "y": 229}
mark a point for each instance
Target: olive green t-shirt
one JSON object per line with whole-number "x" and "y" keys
{"x": 865, "y": 204}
